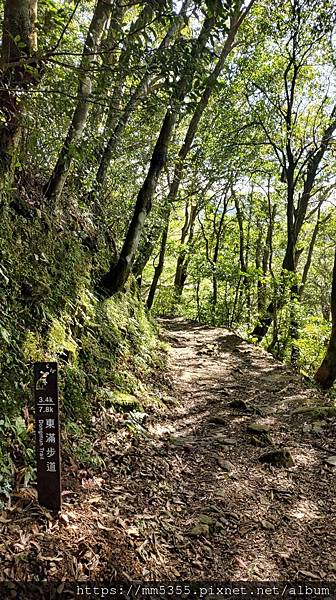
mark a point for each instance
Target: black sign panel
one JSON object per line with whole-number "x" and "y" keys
{"x": 47, "y": 435}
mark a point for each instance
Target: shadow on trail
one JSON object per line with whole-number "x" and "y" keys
{"x": 192, "y": 500}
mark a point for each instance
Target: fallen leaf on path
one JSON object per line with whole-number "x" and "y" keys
{"x": 101, "y": 526}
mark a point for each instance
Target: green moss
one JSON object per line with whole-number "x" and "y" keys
{"x": 77, "y": 392}
{"x": 316, "y": 411}
{"x": 32, "y": 347}
{"x": 124, "y": 402}
{"x": 59, "y": 339}
{"x": 50, "y": 312}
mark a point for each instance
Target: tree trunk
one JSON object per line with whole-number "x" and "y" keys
{"x": 294, "y": 326}
{"x": 117, "y": 276}
{"x": 214, "y": 299}
{"x": 296, "y": 217}
{"x": 240, "y": 221}
{"x": 19, "y": 43}
{"x": 219, "y": 237}
{"x": 139, "y": 93}
{"x": 244, "y": 297}
{"x": 235, "y": 22}
{"x": 247, "y": 280}
{"x": 112, "y": 63}
{"x": 259, "y": 264}
{"x": 54, "y": 186}
{"x": 144, "y": 255}
{"x": 198, "y": 301}
{"x": 159, "y": 267}
{"x": 310, "y": 255}
{"x": 326, "y": 374}
{"x": 182, "y": 252}
{"x": 263, "y": 260}
{"x": 181, "y": 272}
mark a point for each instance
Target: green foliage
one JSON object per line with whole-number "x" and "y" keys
{"x": 50, "y": 312}
{"x": 17, "y": 454}
{"x": 78, "y": 444}
{"x": 312, "y": 343}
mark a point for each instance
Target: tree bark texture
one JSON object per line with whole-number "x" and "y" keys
{"x": 159, "y": 267}
{"x": 326, "y": 374}
{"x": 117, "y": 276}
{"x": 54, "y": 186}
{"x": 139, "y": 93}
{"x": 19, "y": 44}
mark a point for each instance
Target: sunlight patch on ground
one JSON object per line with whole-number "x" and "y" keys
{"x": 305, "y": 509}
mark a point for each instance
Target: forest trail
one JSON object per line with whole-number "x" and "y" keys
{"x": 189, "y": 499}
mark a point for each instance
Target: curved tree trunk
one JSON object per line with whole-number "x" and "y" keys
{"x": 235, "y": 22}
{"x": 115, "y": 279}
{"x": 117, "y": 276}
{"x": 54, "y": 187}
{"x": 139, "y": 93}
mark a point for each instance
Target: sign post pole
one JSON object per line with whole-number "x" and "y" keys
{"x": 47, "y": 427}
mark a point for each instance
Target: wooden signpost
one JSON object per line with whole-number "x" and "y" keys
{"x": 47, "y": 435}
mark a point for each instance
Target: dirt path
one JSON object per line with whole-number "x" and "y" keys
{"x": 189, "y": 498}
{"x": 268, "y": 522}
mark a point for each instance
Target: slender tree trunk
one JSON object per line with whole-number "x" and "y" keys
{"x": 214, "y": 294}
{"x": 295, "y": 219}
{"x": 112, "y": 74}
{"x": 244, "y": 296}
{"x": 235, "y": 304}
{"x": 198, "y": 301}
{"x": 142, "y": 89}
{"x": 247, "y": 281}
{"x": 120, "y": 76}
{"x": 54, "y": 186}
{"x": 181, "y": 273}
{"x": 236, "y": 21}
{"x": 19, "y": 44}
{"x": 182, "y": 251}
{"x": 159, "y": 267}
{"x": 326, "y": 374}
{"x": 263, "y": 261}
{"x": 309, "y": 255}
{"x": 258, "y": 264}
{"x": 219, "y": 238}
{"x": 240, "y": 221}
{"x": 140, "y": 263}
{"x": 214, "y": 300}
{"x": 294, "y": 326}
